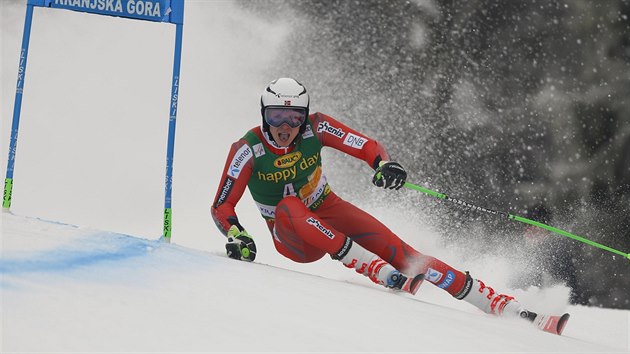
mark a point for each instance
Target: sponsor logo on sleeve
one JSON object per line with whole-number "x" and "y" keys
{"x": 259, "y": 150}
{"x": 240, "y": 158}
{"x": 320, "y": 227}
{"x": 326, "y": 127}
{"x": 355, "y": 141}
{"x": 448, "y": 280}
{"x": 225, "y": 191}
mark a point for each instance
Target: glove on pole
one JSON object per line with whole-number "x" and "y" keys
{"x": 240, "y": 245}
{"x": 389, "y": 175}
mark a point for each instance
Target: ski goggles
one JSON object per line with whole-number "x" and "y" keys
{"x": 276, "y": 116}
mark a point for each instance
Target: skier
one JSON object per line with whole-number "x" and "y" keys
{"x": 280, "y": 162}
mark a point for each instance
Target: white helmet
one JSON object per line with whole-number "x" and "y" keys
{"x": 285, "y": 93}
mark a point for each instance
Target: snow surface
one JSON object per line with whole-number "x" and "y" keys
{"x": 91, "y": 153}
{"x": 70, "y": 289}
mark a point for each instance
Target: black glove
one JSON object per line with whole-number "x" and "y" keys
{"x": 240, "y": 245}
{"x": 389, "y": 175}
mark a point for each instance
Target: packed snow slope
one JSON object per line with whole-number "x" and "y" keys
{"x": 68, "y": 289}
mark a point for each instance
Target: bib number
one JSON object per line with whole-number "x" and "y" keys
{"x": 288, "y": 190}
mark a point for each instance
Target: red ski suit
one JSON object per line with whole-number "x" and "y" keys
{"x": 306, "y": 233}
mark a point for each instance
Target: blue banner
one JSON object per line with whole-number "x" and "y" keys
{"x": 151, "y": 10}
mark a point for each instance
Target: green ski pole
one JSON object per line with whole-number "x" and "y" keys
{"x": 515, "y": 217}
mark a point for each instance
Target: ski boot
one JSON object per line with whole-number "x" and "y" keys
{"x": 374, "y": 267}
{"x": 487, "y": 300}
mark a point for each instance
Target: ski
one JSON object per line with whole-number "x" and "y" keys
{"x": 549, "y": 323}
